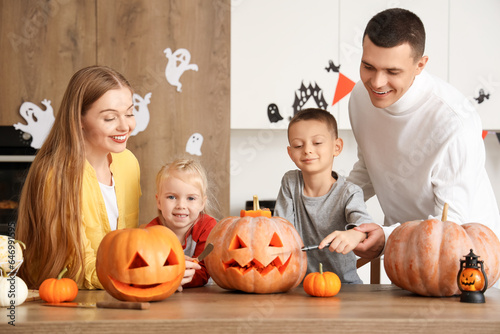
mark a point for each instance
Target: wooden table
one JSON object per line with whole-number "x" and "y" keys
{"x": 356, "y": 309}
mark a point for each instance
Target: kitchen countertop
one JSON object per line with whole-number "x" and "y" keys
{"x": 368, "y": 308}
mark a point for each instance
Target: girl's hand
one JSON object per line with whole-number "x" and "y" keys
{"x": 343, "y": 241}
{"x": 191, "y": 267}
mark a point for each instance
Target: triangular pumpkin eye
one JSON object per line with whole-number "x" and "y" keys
{"x": 171, "y": 259}
{"x": 237, "y": 243}
{"x": 275, "y": 241}
{"x": 138, "y": 262}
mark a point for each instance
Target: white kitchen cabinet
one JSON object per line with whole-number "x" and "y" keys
{"x": 276, "y": 47}
{"x": 279, "y": 45}
{"x": 475, "y": 56}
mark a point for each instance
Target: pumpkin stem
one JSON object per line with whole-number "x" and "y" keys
{"x": 256, "y": 203}
{"x": 23, "y": 245}
{"x": 61, "y": 274}
{"x": 321, "y": 268}
{"x": 444, "y": 217}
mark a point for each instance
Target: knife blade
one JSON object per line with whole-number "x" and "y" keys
{"x": 117, "y": 305}
{"x": 308, "y": 248}
{"x": 208, "y": 249}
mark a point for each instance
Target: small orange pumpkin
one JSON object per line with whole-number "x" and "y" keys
{"x": 322, "y": 284}
{"x": 58, "y": 290}
{"x": 140, "y": 264}
{"x": 257, "y": 211}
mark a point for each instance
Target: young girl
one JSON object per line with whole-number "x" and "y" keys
{"x": 181, "y": 196}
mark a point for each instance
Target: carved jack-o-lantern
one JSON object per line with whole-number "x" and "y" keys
{"x": 471, "y": 279}
{"x": 140, "y": 264}
{"x": 256, "y": 254}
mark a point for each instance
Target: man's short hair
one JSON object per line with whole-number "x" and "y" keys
{"x": 396, "y": 26}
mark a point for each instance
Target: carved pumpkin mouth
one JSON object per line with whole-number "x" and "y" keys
{"x": 469, "y": 283}
{"x": 139, "y": 290}
{"x": 257, "y": 266}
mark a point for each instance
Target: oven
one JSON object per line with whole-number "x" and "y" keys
{"x": 16, "y": 156}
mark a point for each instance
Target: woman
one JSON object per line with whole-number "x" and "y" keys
{"x": 83, "y": 182}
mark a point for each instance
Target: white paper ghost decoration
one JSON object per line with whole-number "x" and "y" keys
{"x": 39, "y": 121}
{"x": 193, "y": 145}
{"x": 178, "y": 63}
{"x": 141, "y": 113}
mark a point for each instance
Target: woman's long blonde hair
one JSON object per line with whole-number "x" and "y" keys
{"x": 49, "y": 217}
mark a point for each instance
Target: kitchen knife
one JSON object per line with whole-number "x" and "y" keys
{"x": 208, "y": 249}
{"x": 308, "y": 248}
{"x": 117, "y": 304}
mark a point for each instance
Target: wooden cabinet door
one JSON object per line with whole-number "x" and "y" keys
{"x": 42, "y": 44}
{"x": 132, "y": 37}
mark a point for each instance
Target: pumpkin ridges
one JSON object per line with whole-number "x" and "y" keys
{"x": 257, "y": 233}
{"x": 154, "y": 244}
{"x": 444, "y": 241}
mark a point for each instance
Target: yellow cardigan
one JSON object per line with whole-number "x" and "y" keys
{"x": 126, "y": 173}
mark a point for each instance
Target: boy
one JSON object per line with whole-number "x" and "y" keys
{"x": 319, "y": 202}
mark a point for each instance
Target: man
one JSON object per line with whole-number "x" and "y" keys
{"x": 419, "y": 140}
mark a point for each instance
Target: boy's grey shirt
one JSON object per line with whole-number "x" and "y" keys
{"x": 316, "y": 217}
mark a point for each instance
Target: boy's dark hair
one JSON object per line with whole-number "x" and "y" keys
{"x": 396, "y": 26}
{"x": 317, "y": 115}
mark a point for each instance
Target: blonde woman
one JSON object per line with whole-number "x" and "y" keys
{"x": 83, "y": 182}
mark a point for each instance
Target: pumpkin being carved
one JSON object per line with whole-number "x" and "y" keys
{"x": 256, "y": 255}
{"x": 140, "y": 264}
{"x": 424, "y": 256}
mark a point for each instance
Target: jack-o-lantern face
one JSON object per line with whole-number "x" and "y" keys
{"x": 140, "y": 264}
{"x": 471, "y": 279}
{"x": 256, "y": 254}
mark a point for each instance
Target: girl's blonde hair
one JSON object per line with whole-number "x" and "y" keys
{"x": 50, "y": 216}
{"x": 191, "y": 172}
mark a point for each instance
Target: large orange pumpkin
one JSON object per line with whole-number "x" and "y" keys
{"x": 424, "y": 256}
{"x": 256, "y": 254}
{"x": 140, "y": 264}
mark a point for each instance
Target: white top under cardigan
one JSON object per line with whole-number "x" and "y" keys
{"x": 423, "y": 151}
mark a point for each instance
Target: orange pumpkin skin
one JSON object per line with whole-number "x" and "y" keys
{"x": 256, "y": 255}
{"x": 58, "y": 290}
{"x": 424, "y": 256}
{"x": 322, "y": 284}
{"x": 140, "y": 264}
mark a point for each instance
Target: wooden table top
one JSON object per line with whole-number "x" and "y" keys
{"x": 369, "y": 308}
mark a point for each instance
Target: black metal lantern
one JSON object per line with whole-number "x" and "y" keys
{"x": 471, "y": 279}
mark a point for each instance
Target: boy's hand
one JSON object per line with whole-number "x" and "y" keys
{"x": 343, "y": 241}
{"x": 191, "y": 267}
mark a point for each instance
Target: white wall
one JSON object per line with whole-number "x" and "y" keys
{"x": 259, "y": 159}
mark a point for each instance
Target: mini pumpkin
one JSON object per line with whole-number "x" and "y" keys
{"x": 13, "y": 290}
{"x": 424, "y": 256}
{"x": 256, "y": 255}
{"x": 322, "y": 284}
{"x": 57, "y": 290}
{"x": 140, "y": 264}
{"x": 11, "y": 253}
{"x": 257, "y": 211}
